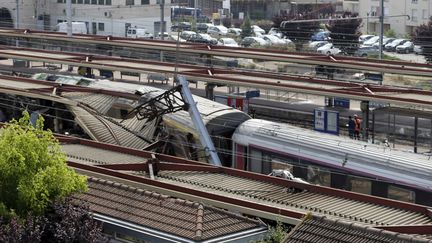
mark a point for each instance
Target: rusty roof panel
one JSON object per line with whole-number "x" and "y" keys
{"x": 322, "y": 229}
{"x": 306, "y": 201}
{"x": 190, "y": 220}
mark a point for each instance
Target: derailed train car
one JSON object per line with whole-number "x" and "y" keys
{"x": 263, "y": 146}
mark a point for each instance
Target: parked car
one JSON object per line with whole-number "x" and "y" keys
{"x": 418, "y": 49}
{"x": 275, "y": 32}
{"x": 385, "y": 42}
{"x": 217, "y": 30}
{"x": 202, "y": 27}
{"x": 273, "y": 40}
{"x": 235, "y": 31}
{"x": 364, "y": 38}
{"x": 406, "y": 47}
{"x": 314, "y": 45}
{"x": 187, "y": 34}
{"x": 228, "y": 42}
{"x": 252, "y": 41}
{"x": 257, "y": 30}
{"x": 202, "y": 38}
{"x": 371, "y": 41}
{"x": 321, "y": 36}
{"x": 365, "y": 51}
{"x": 392, "y": 46}
{"x": 181, "y": 26}
{"x": 329, "y": 49}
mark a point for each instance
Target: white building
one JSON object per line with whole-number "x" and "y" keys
{"x": 402, "y": 16}
{"x": 102, "y": 17}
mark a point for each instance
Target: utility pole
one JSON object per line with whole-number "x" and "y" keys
{"x": 69, "y": 17}
{"x": 17, "y": 20}
{"x": 17, "y": 14}
{"x": 195, "y": 11}
{"x": 162, "y": 21}
{"x": 381, "y": 18}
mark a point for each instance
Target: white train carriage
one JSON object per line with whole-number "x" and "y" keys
{"x": 262, "y": 146}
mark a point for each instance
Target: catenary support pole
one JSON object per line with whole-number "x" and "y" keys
{"x": 69, "y": 17}
{"x": 381, "y": 19}
{"x": 206, "y": 141}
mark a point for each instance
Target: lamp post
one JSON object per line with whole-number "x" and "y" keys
{"x": 381, "y": 18}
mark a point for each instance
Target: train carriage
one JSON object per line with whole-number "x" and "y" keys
{"x": 263, "y": 146}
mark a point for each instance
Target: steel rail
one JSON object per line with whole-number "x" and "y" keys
{"x": 245, "y": 80}
{"x": 394, "y": 67}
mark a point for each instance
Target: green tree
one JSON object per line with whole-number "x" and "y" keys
{"x": 246, "y": 28}
{"x": 33, "y": 170}
{"x": 390, "y": 33}
{"x": 422, "y": 36}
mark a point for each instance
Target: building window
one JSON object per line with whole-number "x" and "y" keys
{"x": 401, "y": 194}
{"x": 73, "y": 1}
{"x": 60, "y": 1}
{"x": 101, "y": 27}
{"x": 107, "y": 2}
{"x": 80, "y": 1}
{"x": 93, "y": 1}
{"x": 414, "y": 15}
{"x": 130, "y": 2}
{"x": 425, "y": 14}
{"x": 86, "y": 1}
{"x": 101, "y": 2}
{"x": 145, "y": 2}
{"x": 414, "y": 1}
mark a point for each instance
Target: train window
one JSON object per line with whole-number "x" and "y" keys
{"x": 360, "y": 185}
{"x": 401, "y": 194}
{"x": 318, "y": 176}
{"x": 256, "y": 161}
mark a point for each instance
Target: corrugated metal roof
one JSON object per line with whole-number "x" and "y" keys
{"x": 99, "y": 102}
{"x": 190, "y": 220}
{"x": 107, "y": 130}
{"x": 321, "y": 229}
{"x": 228, "y": 185}
{"x": 278, "y": 195}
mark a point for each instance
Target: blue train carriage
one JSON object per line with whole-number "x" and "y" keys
{"x": 263, "y": 146}
{"x": 221, "y": 122}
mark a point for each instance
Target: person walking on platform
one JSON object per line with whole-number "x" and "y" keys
{"x": 357, "y": 128}
{"x": 351, "y": 127}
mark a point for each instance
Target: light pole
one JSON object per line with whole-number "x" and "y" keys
{"x": 69, "y": 17}
{"x": 381, "y": 18}
{"x": 367, "y": 23}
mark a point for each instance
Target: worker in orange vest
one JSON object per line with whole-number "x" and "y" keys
{"x": 357, "y": 128}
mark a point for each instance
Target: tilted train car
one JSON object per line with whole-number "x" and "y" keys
{"x": 262, "y": 146}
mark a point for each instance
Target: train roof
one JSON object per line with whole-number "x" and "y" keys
{"x": 401, "y": 167}
{"x": 217, "y": 117}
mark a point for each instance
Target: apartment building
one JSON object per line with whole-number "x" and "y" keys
{"x": 102, "y": 17}
{"x": 402, "y": 16}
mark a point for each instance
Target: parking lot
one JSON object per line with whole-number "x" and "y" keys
{"x": 411, "y": 57}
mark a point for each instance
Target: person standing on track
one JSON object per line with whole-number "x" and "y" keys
{"x": 357, "y": 128}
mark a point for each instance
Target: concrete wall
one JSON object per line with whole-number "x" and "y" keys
{"x": 419, "y": 12}
{"x": 113, "y": 18}
{"x": 26, "y": 12}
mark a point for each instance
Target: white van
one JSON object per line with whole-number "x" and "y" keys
{"x": 77, "y": 27}
{"x": 134, "y": 32}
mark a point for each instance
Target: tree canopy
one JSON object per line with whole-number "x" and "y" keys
{"x": 246, "y": 28}
{"x": 422, "y": 36}
{"x": 33, "y": 170}
{"x": 345, "y": 32}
